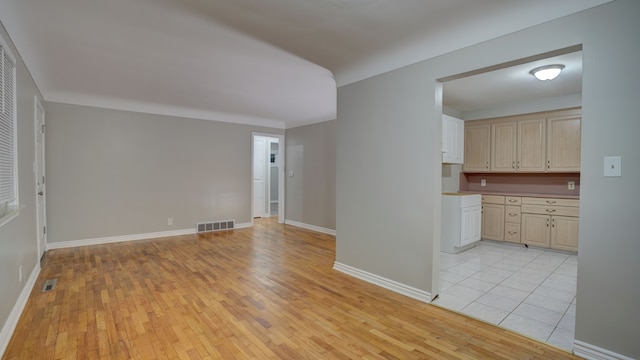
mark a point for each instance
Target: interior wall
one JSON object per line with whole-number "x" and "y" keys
{"x": 114, "y": 173}
{"x": 608, "y": 265}
{"x": 525, "y": 107}
{"x": 310, "y": 194}
{"x": 18, "y": 237}
{"x": 389, "y": 214}
{"x": 389, "y": 176}
{"x": 451, "y": 177}
{"x": 273, "y": 174}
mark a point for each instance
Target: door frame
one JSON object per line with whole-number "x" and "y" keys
{"x": 39, "y": 163}
{"x": 281, "y": 179}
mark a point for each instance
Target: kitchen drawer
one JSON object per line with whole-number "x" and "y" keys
{"x": 512, "y": 232}
{"x": 550, "y": 210}
{"x": 493, "y": 199}
{"x": 550, "y": 201}
{"x": 512, "y": 214}
{"x": 513, "y": 200}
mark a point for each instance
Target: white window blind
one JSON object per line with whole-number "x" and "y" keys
{"x": 7, "y": 129}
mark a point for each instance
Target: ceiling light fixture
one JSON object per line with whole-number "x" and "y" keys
{"x": 548, "y": 72}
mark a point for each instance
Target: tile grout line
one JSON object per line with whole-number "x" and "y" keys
{"x": 503, "y": 257}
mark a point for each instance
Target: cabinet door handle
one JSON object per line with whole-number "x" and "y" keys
{"x": 518, "y": 167}
{"x": 550, "y": 210}
{"x": 512, "y": 200}
{"x": 513, "y": 164}
{"x": 551, "y": 201}
{"x": 547, "y": 222}
{"x": 487, "y": 165}
{"x": 548, "y": 164}
{"x": 512, "y": 232}
{"x": 553, "y": 223}
{"x": 512, "y": 214}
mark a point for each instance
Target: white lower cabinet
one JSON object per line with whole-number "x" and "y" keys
{"x": 471, "y": 225}
{"x": 461, "y": 221}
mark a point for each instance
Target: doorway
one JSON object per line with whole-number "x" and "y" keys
{"x": 267, "y": 176}
{"x": 41, "y": 195}
{"x": 528, "y": 290}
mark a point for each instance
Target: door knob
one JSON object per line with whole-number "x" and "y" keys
{"x": 40, "y": 193}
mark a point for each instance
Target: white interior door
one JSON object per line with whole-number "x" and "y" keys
{"x": 259, "y": 176}
{"x": 41, "y": 195}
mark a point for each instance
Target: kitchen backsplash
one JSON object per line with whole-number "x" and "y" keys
{"x": 542, "y": 184}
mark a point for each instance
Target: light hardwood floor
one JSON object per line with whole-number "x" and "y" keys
{"x": 264, "y": 293}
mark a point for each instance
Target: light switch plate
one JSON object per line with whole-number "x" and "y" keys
{"x": 612, "y": 166}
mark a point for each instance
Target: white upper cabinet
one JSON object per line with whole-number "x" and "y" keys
{"x": 452, "y": 140}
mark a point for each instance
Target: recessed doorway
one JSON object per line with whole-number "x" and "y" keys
{"x": 267, "y": 176}
{"x": 525, "y": 289}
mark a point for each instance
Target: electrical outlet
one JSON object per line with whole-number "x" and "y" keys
{"x": 483, "y": 182}
{"x": 571, "y": 185}
{"x": 170, "y": 221}
{"x": 20, "y": 273}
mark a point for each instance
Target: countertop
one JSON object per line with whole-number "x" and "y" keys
{"x": 557, "y": 196}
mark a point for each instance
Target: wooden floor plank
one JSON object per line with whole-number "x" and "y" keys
{"x": 268, "y": 292}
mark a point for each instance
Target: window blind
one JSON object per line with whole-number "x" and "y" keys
{"x": 7, "y": 129}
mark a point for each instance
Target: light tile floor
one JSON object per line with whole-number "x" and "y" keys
{"x": 527, "y": 290}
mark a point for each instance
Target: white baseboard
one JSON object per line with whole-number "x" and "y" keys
{"x": 384, "y": 282}
{"x": 589, "y": 351}
{"x": 115, "y": 239}
{"x": 242, "y": 225}
{"x": 14, "y": 316}
{"x": 310, "y": 227}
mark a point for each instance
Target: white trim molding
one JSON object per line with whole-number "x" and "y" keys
{"x": 311, "y": 227}
{"x": 133, "y": 237}
{"x": 589, "y": 351}
{"x": 115, "y": 239}
{"x": 384, "y": 282}
{"x": 12, "y": 321}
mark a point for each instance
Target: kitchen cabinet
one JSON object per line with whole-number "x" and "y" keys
{"x": 477, "y": 147}
{"x": 493, "y": 217}
{"x": 549, "y": 222}
{"x": 531, "y": 154}
{"x": 535, "y": 229}
{"x": 530, "y": 143}
{"x": 512, "y": 219}
{"x": 503, "y": 147}
{"x": 564, "y": 233}
{"x": 563, "y": 144}
{"x": 461, "y": 216}
{"x": 452, "y": 140}
{"x": 518, "y": 146}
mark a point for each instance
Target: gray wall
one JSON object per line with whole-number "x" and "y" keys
{"x": 451, "y": 177}
{"x": 18, "y": 237}
{"x": 273, "y": 178}
{"x": 388, "y": 198}
{"x": 310, "y": 194}
{"x": 114, "y": 173}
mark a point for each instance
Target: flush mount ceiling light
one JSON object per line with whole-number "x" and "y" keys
{"x": 548, "y": 72}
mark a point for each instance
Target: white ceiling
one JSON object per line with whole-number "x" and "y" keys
{"x": 265, "y": 62}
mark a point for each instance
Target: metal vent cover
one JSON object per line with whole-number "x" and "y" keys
{"x": 215, "y": 226}
{"x": 49, "y": 285}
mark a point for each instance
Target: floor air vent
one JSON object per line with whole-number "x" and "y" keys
{"x": 215, "y": 226}
{"x": 49, "y": 285}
